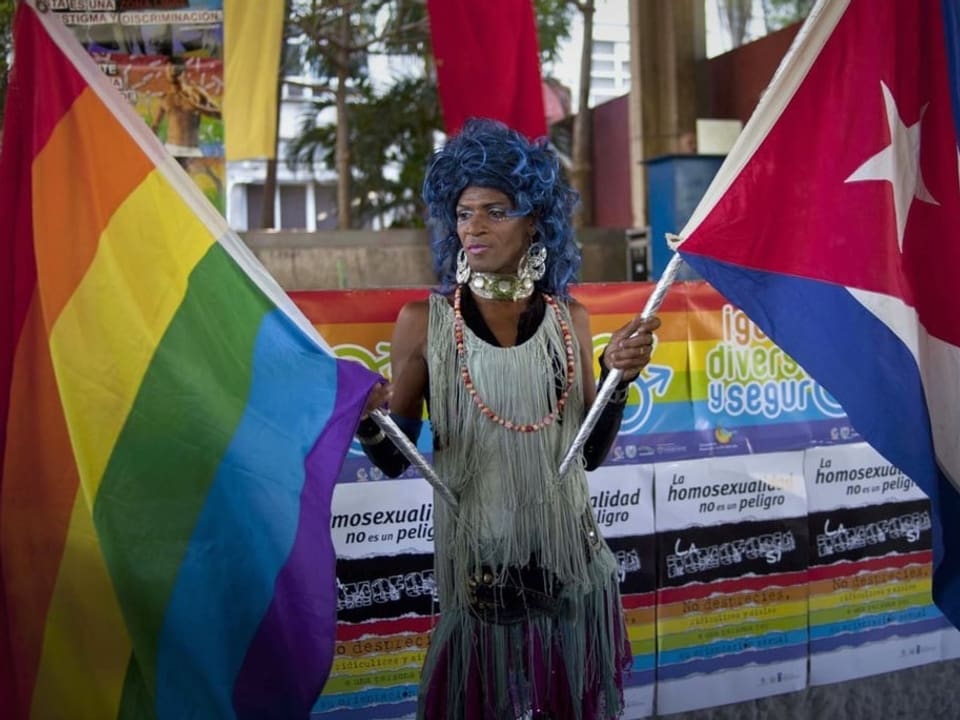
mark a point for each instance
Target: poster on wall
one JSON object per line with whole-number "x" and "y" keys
{"x": 386, "y": 599}
{"x": 870, "y": 577}
{"x": 622, "y": 502}
{"x": 166, "y": 58}
{"x": 728, "y": 580}
{"x": 748, "y": 395}
{"x": 657, "y": 418}
{"x": 732, "y": 595}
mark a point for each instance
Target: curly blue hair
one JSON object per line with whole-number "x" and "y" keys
{"x": 487, "y": 153}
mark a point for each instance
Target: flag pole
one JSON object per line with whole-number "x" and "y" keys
{"x": 613, "y": 379}
{"x": 409, "y": 450}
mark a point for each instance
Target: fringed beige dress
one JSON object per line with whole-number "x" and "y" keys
{"x": 557, "y": 646}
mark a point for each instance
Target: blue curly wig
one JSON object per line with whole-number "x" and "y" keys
{"x": 488, "y": 154}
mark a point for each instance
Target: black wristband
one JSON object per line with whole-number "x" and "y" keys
{"x": 605, "y": 371}
{"x": 380, "y": 449}
{"x": 369, "y": 433}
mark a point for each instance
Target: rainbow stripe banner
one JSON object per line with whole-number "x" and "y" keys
{"x": 172, "y": 427}
{"x": 715, "y": 387}
{"x": 748, "y": 395}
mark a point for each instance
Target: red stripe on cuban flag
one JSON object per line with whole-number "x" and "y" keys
{"x": 835, "y": 224}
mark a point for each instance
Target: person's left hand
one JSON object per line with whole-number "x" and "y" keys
{"x": 631, "y": 354}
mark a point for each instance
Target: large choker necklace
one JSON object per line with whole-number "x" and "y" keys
{"x": 491, "y": 286}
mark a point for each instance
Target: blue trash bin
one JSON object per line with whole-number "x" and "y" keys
{"x": 675, "y": 184}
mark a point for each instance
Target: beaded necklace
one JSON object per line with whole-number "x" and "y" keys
{"x": 468, "y": 381}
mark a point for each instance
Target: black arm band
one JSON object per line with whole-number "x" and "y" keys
{"x": 604, "y": 433}
{"x": 380, "y": 449}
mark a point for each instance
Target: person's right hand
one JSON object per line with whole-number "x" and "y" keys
{"x": 379, "y": 397}
{"x": 631, "y": 346}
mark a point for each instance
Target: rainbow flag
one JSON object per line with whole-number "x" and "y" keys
{"x": 171, "y": 427}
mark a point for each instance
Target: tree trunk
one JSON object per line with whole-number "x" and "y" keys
{"x": 581, "y": 174}
{"x": 344, "y": 219}
{"x": 267, "y": 219}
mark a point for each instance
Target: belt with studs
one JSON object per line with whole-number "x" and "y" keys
{"x": 511, "y": 594}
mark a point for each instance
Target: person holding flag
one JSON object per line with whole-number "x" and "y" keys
{"x": 531, "y": 620}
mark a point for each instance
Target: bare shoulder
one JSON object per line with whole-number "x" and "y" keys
{"x": 408, "y": 359}
{"x": 413, "y": 314}
{"x": 580, "y": 317}
{"x": 578, "y": 311}
{"x": 410, "y": 328}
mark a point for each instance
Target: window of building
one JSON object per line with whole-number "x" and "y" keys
{"x": 325, "y": 199}
{"x": 602, "y": 47}
{"x": 293, "y": 207}
{"x": 293, "y": 90}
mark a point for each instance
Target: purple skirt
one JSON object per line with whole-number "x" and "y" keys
{"x": 483, "y": 671}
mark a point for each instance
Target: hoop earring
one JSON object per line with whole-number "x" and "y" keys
{"x": 463, "y": 268}
{"x": 533, "y": 264}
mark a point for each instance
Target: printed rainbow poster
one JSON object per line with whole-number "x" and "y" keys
{"x": 622, "y": 502}
{"x": 386, "y": 599}
{"x": 870, "y": 567}
{"x": 732, "y": 593}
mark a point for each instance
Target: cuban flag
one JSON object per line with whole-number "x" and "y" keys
{"x": 835, "y": 224}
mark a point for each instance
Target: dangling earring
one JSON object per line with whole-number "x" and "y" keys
{"x": 533, "y": 264}
{"x": 463, "y": 267}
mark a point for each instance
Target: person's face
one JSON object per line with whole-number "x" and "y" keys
{"x": 494, "y": 240}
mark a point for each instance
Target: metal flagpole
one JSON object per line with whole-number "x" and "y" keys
{"x": 409, "y": 450}
{"x": 613, "y": 379}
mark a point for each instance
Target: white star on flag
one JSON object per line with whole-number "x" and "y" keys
{"x": 898, "y": 164}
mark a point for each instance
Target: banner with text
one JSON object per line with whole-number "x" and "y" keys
{"x": 732, "y": 596}
{"x": 715, "y": 385}
{"x": 386, "y": 601}
{"x": 715, "y": 565}
{"x": 748, "y": 395}
{"x": 870, "y": 570}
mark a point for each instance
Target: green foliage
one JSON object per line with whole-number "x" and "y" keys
{"x": 6, "y": 49}
{"x": 381, "y": 138}
{"x": 406, "y": 28}
{"x": 553, "y": 26}
{"x": 780, "y": 13}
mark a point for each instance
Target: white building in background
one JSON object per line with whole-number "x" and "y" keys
{"x": 306, "y": 198}
{"x": 610, "y": 74}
